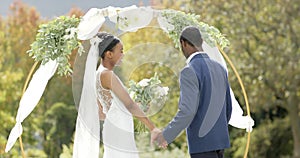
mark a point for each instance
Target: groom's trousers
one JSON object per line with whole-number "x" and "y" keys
{"x": 210, "y": 154}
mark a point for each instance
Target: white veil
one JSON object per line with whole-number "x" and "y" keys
{"x": 87, "y": 135}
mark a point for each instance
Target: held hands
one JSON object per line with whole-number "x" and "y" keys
{"x": 158, "y": 138}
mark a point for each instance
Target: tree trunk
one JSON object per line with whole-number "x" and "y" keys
{"x": 295, "y": 123}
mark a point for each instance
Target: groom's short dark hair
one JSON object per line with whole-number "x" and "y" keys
{"x": 192, "y": 36}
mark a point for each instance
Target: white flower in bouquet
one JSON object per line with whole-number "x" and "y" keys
{"x": 147, "y": 92}
{"x": 163, "y": 91}
{"x": 131, "y": 94}
{"x": 144, "y": 82}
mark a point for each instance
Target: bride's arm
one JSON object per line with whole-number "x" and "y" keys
{"x": 112, "y": 82}
{"x": 100, "y": 110}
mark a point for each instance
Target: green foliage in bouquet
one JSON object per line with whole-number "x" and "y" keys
{"x": 179, "y": 20}
{"x": 147, "y": 91}
{"x": 55, "y": 41}
{"x": 150, "y": 96}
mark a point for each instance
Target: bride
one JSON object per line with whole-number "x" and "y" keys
{"x": 114, "y": 102}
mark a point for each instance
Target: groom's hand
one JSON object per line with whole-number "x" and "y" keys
{"x": 157, "y": 136}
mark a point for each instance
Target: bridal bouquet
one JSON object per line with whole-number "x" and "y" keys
{"x": 148, "y": 92}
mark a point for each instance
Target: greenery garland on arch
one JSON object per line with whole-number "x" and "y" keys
{"x": 179, "y": 20}
{"x": 57, "y": 39}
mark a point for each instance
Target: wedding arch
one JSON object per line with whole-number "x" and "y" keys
{"x": 56, "y": 40}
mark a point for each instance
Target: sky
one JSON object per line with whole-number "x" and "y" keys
{"x": 54, "y": 8}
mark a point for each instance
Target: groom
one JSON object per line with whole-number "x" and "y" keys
{"x": 204, "y": 105}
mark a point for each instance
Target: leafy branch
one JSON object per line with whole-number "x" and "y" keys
{"x": 56, "y": 40}
{"x": 180, "y": 20}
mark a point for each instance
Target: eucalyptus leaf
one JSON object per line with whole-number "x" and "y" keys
{"x": 51, "y": 44}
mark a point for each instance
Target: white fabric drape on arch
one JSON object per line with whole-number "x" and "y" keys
{"x": 30, "y": 99}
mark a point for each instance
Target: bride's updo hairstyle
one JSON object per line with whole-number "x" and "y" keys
{"x": 107, "y": 43}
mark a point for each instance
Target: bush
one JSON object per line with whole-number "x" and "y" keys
{"x": 270, "y": 139}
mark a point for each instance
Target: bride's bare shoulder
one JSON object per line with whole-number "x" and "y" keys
{"x": 106, "y": 73}
{"x": 106, "y": 78}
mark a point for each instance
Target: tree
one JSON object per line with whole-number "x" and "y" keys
{"x": 267, "y": 140}
{"x": 265, "y": 48}
{"x": 58, "y": 127}
{"x": 17, "y": 31}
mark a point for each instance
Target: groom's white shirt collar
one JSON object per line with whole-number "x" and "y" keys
{"x": 188, "y": 60}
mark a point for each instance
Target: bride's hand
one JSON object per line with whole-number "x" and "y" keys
{"x": 157, "y": 136}
{"x": 100, "y": 111}
{"x": 154, "y": 135}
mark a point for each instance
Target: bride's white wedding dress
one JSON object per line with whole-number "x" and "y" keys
{"x": 118, "y": 127}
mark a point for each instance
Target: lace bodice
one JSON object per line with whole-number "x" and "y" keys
{"x": 104, "y": 96}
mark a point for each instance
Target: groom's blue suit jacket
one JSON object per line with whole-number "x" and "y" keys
{"x": 204, "y": 106}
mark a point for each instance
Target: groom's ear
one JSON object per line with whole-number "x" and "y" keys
{"x": 183, "y": 43}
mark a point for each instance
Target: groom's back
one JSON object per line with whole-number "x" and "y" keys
{"x": 209, "y": 128}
